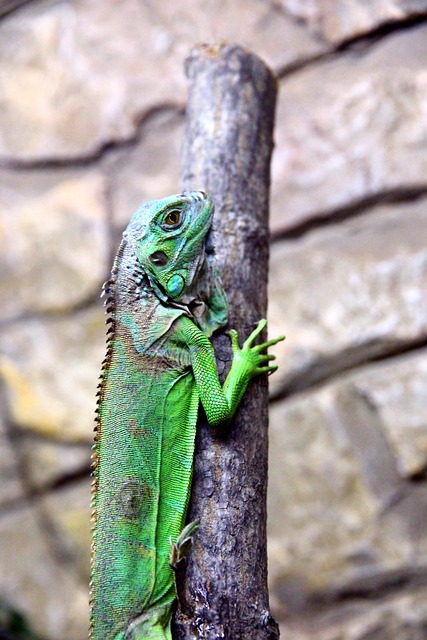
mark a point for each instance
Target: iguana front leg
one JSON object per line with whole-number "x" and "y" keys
{"x": 220, "y": 403}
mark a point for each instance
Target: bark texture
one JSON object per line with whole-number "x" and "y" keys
{"x": 227, "y": 151}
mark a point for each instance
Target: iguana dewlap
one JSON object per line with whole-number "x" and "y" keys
{"x": 164, "y": 299}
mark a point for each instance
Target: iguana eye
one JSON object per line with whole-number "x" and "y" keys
{"x": 159, "y": 258}
{"x": 172, "y": 219}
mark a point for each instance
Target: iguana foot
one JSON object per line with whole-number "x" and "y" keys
{"x": 181, "y": 548}
{"x": 249, "y": 361}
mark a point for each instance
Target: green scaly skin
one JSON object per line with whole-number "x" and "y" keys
{"x": 165, "y": 299}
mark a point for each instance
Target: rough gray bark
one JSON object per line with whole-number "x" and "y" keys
{"x": 227, "y": 151}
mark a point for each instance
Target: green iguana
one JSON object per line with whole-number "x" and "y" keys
{"x": 165, "y": 299}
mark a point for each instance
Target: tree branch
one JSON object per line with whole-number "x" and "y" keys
{"x": 227, "y": 151}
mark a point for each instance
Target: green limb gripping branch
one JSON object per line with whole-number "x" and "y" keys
{"x": 165, "y": 299}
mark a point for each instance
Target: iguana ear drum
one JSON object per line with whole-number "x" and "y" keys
{"x": 175, "y": 285}
{"x": 159, "y": 258}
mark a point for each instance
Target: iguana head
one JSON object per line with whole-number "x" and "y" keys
{"x": 168, "y": 237}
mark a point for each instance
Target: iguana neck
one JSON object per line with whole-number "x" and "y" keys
{"x": 130, "y": 285}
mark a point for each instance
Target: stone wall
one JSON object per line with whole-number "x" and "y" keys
{"x": 91, "y": 120}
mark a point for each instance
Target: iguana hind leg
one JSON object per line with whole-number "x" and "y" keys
{"x": 156, "y": 632}
{"x": 154, "y": 624}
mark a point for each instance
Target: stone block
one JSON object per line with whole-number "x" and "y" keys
{"x": 351, "y": 128}
{"x": 398, "y": 389}
{"x": 48, "y": 462}
{"x": 50, "y": 368}
{"x": 11, "y": 486}
{"x": 396, "y": 617}
{"x": 345, "y": 523}
{"x": 150, "y": 169}
{"x": 336, "y": 20}
{"x": 35, "y": 583}
{"x": 54, "y": 240}
{"x": 68, "y": 512}
{"x": 85, "y": 73}
{"x": 318, "y": 500}
{"x": 348, "y": 293}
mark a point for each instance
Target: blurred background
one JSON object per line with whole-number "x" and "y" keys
{"x": 92, "y": 100}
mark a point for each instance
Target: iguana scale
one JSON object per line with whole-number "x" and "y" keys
{"x": 165, "y": 299}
